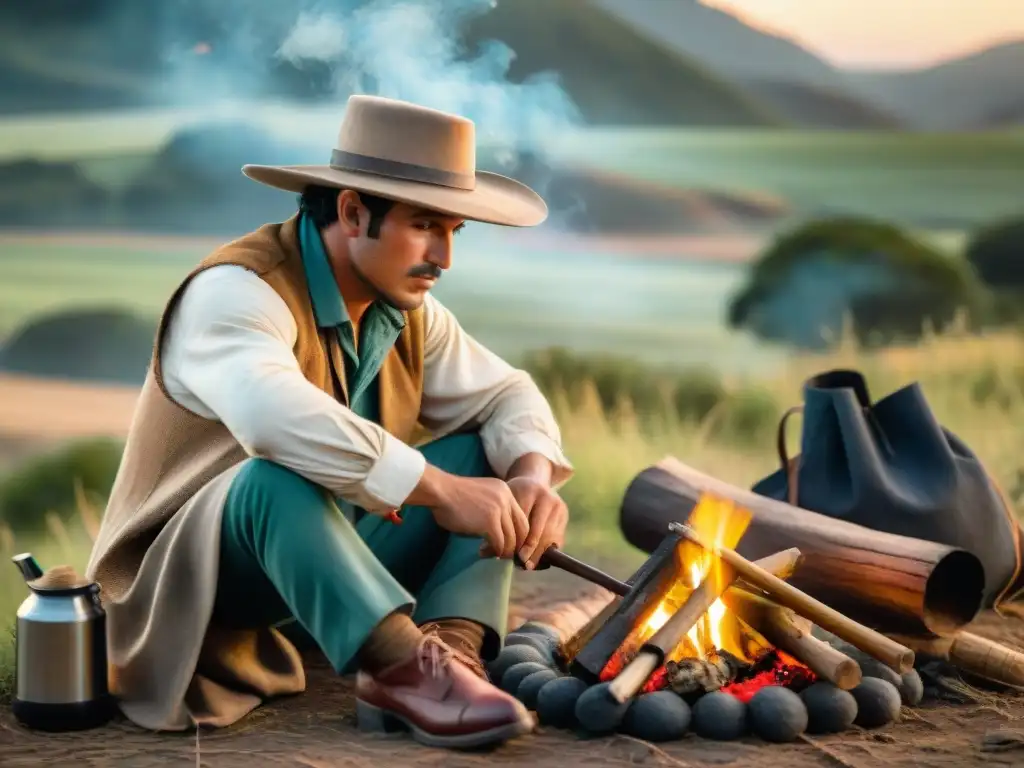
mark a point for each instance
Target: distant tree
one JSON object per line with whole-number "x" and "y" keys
{"x": 996, "y": 252}
{"x": 101, "y": 344}
{"x": 890, "y": 285}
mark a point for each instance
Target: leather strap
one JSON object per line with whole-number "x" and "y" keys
{"x": 790, "y": 466}
{"x": 1004, "y": 595}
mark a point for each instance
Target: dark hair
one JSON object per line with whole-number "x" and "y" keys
{"x": 321, "y": 205}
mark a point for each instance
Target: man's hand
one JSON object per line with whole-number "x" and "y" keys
{"x": 474, "y": 506}
{"x": 547, "y": 513}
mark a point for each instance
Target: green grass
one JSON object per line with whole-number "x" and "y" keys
{"x": 974, "y": 385}
{"x": 37, "y": 279}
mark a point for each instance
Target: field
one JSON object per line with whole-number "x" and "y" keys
{"x": 904, "y": 177}
{"x": 658, "y": 309}
{"x": 928, "y": 180}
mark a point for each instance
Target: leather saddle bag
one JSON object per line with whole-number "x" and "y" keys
{"x": 890, "y": 466}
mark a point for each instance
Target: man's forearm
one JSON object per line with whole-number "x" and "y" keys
{"x": 532, "y": 465}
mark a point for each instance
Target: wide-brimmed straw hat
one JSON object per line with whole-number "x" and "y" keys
{"x": 412, "y": 154}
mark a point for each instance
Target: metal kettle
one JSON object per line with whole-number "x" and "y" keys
{"x": 60, "y": 651}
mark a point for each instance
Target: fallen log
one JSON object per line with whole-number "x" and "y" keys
{"x": 894, "y": 584}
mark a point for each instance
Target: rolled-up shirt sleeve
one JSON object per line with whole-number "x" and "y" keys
{"x": 466, "y": 384}
{"x": 228, "y": 356}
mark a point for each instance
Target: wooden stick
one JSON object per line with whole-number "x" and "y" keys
{"x": 652, "y": 654}
{"x": 791, "y": 633}
{"x": 572, "y": 646}
{"x": 782, "y": 564}
{"x": 974, "y": 654}
{"x": 889, "y": 652}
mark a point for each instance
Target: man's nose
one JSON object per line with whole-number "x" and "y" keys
{"x": 441, "y": 252}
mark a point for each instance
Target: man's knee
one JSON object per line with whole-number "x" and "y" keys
{"x": 460, "y": 454}
{"x": 263, "y": 488}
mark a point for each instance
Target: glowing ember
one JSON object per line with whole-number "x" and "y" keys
{"x": 784, "y": 670}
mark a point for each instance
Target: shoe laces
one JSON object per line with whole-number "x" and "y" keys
{"x": 439, "y": 653}
{"x": 434, "y": 654}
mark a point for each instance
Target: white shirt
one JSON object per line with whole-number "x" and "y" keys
{"x": 228, "y": 356}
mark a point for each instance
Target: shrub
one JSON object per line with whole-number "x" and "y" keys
{"x": 653, "y": 393}
{"x": 93, "y": 344}
{"x": 48, "y": 483}
{"x": 890, "y": 285}
{"x": 996, "y": 253}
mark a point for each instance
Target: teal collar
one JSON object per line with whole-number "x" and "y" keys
{"x": 328, "y": 305}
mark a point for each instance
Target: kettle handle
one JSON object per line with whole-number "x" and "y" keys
{"x": 28, "y": 566}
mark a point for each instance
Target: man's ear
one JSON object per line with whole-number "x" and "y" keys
{"x": 350, "y": 213}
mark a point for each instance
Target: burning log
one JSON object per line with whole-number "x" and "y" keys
{"x": 888, "y": 651}
{"x": 976, "y": 655}
{"x": 654, "y": 652}
{"x": 791, "y": 633}
{"x": 895, "y": 584}
{"x": 688, "y": 676}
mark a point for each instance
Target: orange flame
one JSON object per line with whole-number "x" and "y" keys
{"x": 721, "y": 522}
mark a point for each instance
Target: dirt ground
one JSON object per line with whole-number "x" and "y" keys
{"x": 317, "y": 729}
{"x": 36, "y": 411}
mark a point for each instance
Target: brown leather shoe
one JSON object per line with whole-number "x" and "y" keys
{"x": 438, "y": 699}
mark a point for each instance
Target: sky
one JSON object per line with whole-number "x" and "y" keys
{"x": 886, "y": 33}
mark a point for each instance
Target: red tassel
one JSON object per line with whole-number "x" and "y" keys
{"x": 393, "y": 517}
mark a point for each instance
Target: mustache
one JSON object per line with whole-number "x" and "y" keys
{"x": 425, "y": 270}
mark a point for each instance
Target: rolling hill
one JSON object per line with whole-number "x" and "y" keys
{"x": 774, "y": 70}
{"x": 612, "y": 72}
{"x": 615, "y": 74}
{"x": 812, "y": 106}
{"x": 982, "y": 90}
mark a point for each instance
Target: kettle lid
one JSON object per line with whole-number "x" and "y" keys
{"x": 58, "y": 580}
{"x": 59, "y": 577}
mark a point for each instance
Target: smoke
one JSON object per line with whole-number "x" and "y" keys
{"x": 402, "y": 49}
{"x": 410, "y": 50}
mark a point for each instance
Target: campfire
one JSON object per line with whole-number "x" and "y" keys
{"x": 720, "y": 650}
{"x": 692, "y": 624}
{"x": 810, "y": 624}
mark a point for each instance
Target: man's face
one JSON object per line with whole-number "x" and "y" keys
{"x": 413, "y": 247}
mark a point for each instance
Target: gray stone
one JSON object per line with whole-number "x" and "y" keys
{"x": 829, "y": 709}
{"x": 556, "y": 701}
{"x": 719, "y": 716}
{"x": 598, "y": 712}
{"x": 878, "y": 702}
{"x": 530, "y": 687}
{"x": 777, "y": 714}
{"x": 658, "y": 716}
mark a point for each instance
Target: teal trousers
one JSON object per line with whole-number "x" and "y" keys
{"x": 288, "y": 553}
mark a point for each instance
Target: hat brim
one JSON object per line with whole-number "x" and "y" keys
{"x": 496, "y": 199}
